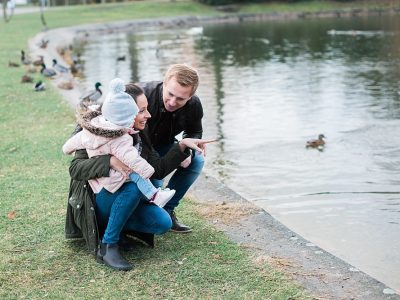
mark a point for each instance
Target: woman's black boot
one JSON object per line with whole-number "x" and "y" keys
{"x": 109, "y": 255}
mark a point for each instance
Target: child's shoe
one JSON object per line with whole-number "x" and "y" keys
{"x": 162, "y": 197}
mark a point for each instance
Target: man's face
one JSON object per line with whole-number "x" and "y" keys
{"x": 175, "y": 96}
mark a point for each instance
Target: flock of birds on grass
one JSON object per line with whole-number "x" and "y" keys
{"x": 65, "y": 74}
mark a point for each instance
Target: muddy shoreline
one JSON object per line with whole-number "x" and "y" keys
{"x": 322, "y": 274}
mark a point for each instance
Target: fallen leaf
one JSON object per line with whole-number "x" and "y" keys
{"x": 180, "y": 262}
{"x": 11, "y": 215}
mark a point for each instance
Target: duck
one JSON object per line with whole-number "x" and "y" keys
{"x": 43, "y": 43}
{"x": 62, "y": 50}
{"x": 66, "y": 85}
{"x": 47, "y": 72}
{"x": 39, "y": 86}
{"x": 13, "y": 64}
{"x": 24, "y": 60}
{"x": 76, "y": 69}
{"x": 76, "y": 58}
{"x": 76, "y": 65}
{"x": 93, "y": 95}
{"x": 59, "y": 68}
{"x": 318, "y": 143}
{"x": 39, "y": 61}
{"x": 26, "y": 79}
{"x": 121, "y": 58}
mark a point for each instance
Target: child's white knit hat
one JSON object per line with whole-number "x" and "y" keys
{"x": 119, "y": 107}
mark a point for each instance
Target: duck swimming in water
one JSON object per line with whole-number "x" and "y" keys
{"x": 318, "y": 143}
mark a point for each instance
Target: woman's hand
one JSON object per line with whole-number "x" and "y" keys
{"x": 119, "y": 166}
{"x": 195, "y": 144}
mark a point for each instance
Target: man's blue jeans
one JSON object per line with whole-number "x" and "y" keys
{"x": 126, "y": 209}
{"x": 182, "y": 179}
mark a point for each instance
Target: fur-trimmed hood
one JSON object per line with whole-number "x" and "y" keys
{"x": 97, "y": 131}
{"x": 94, "y": 122}
{"x": 100, "y": 137}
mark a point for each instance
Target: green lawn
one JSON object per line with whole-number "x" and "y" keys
{"x": 36, "y": 261}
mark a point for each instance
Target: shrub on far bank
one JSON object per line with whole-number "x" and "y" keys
{"x": 227, "y": 2}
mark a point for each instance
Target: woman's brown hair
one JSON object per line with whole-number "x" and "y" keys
{"x": 133, "y": 90}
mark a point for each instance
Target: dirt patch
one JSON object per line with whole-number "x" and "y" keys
{"x": 227, "y": 213}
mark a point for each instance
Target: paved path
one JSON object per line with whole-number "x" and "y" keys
{"x": 30, "y": 9}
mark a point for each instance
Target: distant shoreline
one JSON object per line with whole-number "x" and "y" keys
{"x": 179, "y": 21}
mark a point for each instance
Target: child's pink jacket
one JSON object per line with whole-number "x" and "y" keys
{"x": 100, "y": 137}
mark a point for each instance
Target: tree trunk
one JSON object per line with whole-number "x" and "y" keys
{"x": 42, "y": 4}
{"x": 12, "y": 7}
{"x": 4, "y": 4}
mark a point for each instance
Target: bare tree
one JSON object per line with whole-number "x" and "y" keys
{"x": 42, "y": 4}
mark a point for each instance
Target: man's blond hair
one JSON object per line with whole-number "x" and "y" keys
{"x": 184, "y": 74}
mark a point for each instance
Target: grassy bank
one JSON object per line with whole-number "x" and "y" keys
{"x": 36, "y": 261}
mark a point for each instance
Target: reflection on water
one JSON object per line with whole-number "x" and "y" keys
{"x": 269, "y": 87}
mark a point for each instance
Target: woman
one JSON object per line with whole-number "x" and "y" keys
{"x": 143, "y": 219}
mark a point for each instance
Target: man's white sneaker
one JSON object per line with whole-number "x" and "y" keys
{"x": 163, "y": 196}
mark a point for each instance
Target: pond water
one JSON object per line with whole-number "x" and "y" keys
{"x": 267, "y": 88}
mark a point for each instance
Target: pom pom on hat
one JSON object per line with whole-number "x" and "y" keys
{"x": 119, "y": 107}
{"x": 117, "y": 85}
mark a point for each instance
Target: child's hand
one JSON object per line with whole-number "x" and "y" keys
{"x": 119, "y": 166}
{"x": 131, "y": 131}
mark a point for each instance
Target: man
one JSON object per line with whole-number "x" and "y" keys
{"x": 175, "y": 109}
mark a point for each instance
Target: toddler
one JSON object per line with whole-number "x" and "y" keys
{"x": 108, "y": 132}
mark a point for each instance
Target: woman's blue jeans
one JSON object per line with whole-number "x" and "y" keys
{"x": 182, "y": 179}
{"x": 126, "y": 209}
